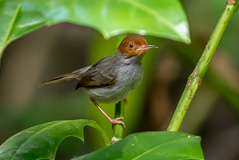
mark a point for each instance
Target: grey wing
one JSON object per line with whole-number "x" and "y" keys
{"x": 99, "y": 74}
{"x": 104, "y": 72}
{"x": 81, "y": 72}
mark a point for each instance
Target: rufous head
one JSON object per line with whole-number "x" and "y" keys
{"x": 134, "y": 45}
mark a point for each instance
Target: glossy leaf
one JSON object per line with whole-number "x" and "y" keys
{"x": 42, "y": 141}
{"x": 153, "y": 146}
{"x": 163, "y": 18}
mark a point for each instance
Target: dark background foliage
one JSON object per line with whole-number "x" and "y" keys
{"x": 62, "y": 48}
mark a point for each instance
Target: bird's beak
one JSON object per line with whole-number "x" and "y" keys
{"x": 146, "y": 47}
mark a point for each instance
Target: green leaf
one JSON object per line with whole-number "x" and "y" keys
{"x": 163, "y": 18}
{"x": 153, "y": 146}
{"x": 41, "y": 142}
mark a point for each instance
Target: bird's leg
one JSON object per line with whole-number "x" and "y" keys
{"x": 126, "y": 101}
{"x": 112, "y": 121}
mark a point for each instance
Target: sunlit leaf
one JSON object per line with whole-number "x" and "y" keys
{"x": 163, "y": 18}
{"x": 153, "y": 146}
{"x": 42, "y": 141}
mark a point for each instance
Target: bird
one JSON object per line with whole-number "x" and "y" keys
{"x": 112, "y": 78}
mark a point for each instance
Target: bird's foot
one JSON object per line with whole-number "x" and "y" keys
{"x": 126, "y": 101}
{"x": 117, "y": 121}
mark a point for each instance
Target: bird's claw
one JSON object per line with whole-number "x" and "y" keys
{"x": 117, "y": 121}
{"x": 126, "y": 101}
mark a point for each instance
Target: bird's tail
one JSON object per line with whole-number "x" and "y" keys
{"x": 58, "y": 79}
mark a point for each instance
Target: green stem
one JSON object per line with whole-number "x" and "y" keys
{"x": 118, "y": 129}
{"x": 197, "y": 75}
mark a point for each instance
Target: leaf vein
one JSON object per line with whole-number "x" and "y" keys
{"x": 155, "y": 14}
{"x": 154, "y": 148}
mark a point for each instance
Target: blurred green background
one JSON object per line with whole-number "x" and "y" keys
{"x": 65, "y": 47}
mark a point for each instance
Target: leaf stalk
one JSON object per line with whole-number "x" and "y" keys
{"x": 195, "y": 79}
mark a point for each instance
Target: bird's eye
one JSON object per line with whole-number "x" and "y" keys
{"x": 131, "y": 45}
